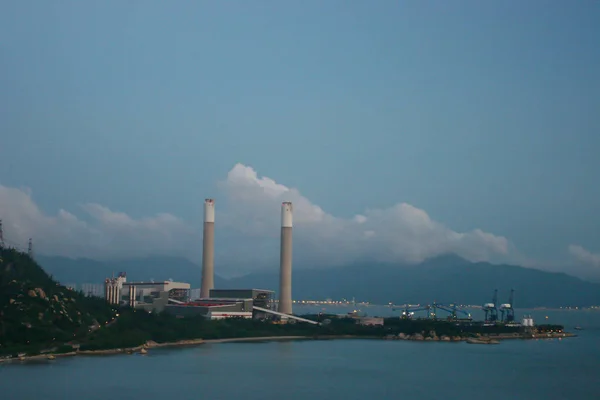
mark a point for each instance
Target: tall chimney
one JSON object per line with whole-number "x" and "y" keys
{"x": 285, "y": 272}
{"x": 208, "y": 249}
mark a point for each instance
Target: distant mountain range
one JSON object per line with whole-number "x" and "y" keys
{"x": 84, "y": 270}
{"x": 443, "y": 279}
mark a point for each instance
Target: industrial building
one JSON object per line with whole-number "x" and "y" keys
{"x": 149, "y": 296}
{"x": 247, "y": 303}
{"x": 153, "y": 296}
{"x": 175, "y": 298}
{"x": 113, "y": 287}
{"x": 226, "y": 303}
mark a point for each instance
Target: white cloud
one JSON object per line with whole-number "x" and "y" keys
{"x": 107, "y": 234}
{"x": 248, "y": 213}
{"x": 584, "y": 256}
{"x": 399, "y": 233}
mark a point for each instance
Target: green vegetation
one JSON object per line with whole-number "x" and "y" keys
{"x": 36, "y": 312}
{"x": 39, "y": 315}
{"x": 134, "y": 328}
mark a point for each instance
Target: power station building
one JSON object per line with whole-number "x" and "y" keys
{"x": 149, "y": 296}
{"x": 174, "y": 297}
{"x": 226, "y": 303}
{"x": 221, "y": 303}
{"x": 113, "y": 287}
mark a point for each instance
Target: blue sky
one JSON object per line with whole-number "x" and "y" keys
{"x": 485, "y": 115}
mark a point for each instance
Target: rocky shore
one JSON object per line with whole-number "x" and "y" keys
{"x": 488, "y": 339}
{"x": 431, "y": 336}
{"x": 143, "y": 349}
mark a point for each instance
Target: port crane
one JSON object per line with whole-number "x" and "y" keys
{"x": 408, "y": 311}
{"x": 453, "y": 310}
{"x": 431, "y": 309}
{"x": 507, "y": 310}
{"x": 490, "y": 309}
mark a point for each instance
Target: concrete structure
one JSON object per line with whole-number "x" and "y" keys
{"x": 113, "y": 287}
{"x": 212, "y": 308}
{"x": 208, "y": 249}
{"x": 153, "y": 296}
{"x": 149, "y": 296}
{"x": 226, "y": 303}
{"x": 132, "y": 292}
{"x": 285, "y": 264}
{"x": 285, "y": 317}
{"x": 260, "y": 298}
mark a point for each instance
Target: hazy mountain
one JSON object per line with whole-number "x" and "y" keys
{"x": 83, "y": 270}
{"x": 443, "y": 279}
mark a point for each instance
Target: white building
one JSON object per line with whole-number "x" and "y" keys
{"x": 141, "y": 294}
{"x": 150, "y": 296}
{"x": 113, "y": 287}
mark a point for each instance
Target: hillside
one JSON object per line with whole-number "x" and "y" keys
{"x": 38, "y": 315}
{"x": 37, "y": 311}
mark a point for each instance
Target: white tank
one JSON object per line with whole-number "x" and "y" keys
{"x": 527, "y": 321}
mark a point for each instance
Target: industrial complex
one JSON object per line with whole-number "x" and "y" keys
{"x": 175, "y": 297}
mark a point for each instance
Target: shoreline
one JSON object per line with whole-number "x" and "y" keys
{"x": 196, "y": 342}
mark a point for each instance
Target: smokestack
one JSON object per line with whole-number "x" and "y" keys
{"x": 285, "y": 272}
{"x": 208, "y": 249}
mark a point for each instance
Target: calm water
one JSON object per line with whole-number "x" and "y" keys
{"x": 341, "y": 369}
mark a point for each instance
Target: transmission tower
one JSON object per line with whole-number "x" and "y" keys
{"x": 30, "y": 248}
{"x": 1, "y": 236}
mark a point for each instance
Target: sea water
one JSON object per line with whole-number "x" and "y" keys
{"x": 329, "y": 369}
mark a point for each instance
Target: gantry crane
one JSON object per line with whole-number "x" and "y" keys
{"x": 490, "y": 309}
{"x": 507, "y": 309}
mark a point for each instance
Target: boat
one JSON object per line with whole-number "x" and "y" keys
{"x": 50, "y": 357}
{"x": 143, "y": 351}
{"x": 578, "y": 328}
